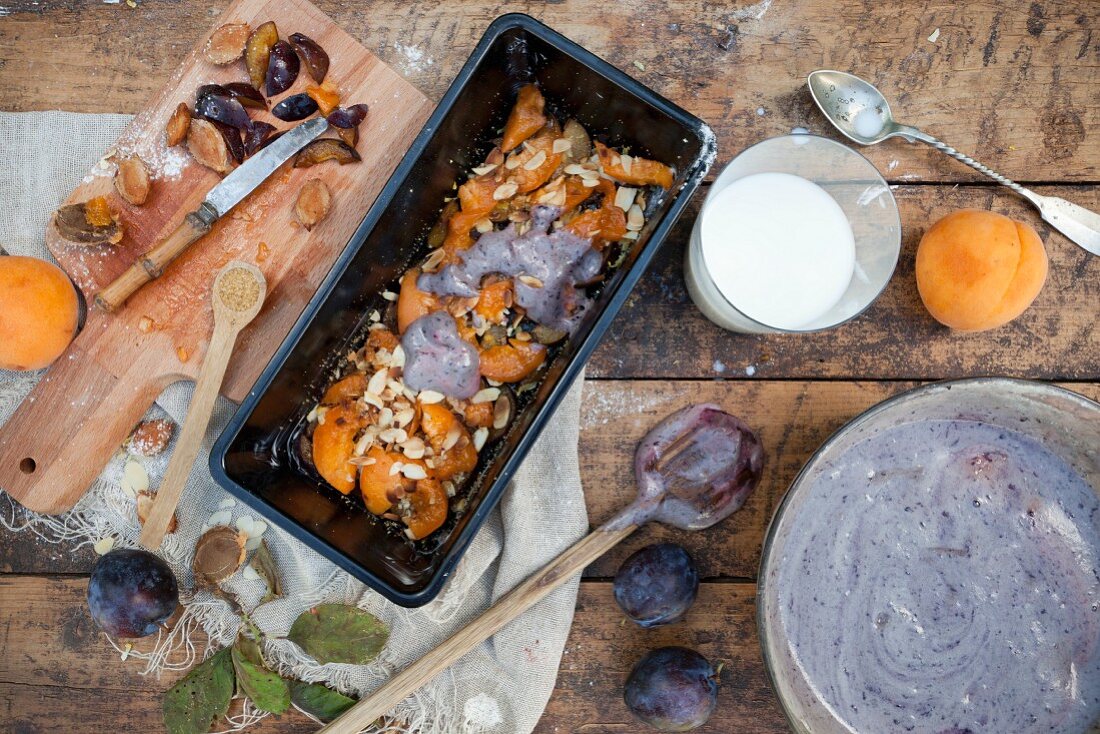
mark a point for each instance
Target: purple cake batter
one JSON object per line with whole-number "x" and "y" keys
{"x": 941, "y": 577}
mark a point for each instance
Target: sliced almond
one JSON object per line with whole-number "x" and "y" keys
{"x": 362, "y": 460}
{"x": 414, "y": 448}
{"x": 395, "y": 468}
{"x": 134, "y": 479}
{"x": 385, "y": 417}
{"x": 377, "y": 382}
{"x": 627, "y": 162}
{"x": 529, "y": 280}
{"x": 590, "y": 182}
{"x": 574, "y": 169}
{"x": 373, "y": 399}
{"x": 484, "y": 225}
{"x": 389, "y": 295}
{"x": 481, "y": 435}
{"x": 414, "y": 471}
{"x": 404, "y": 417}
{"x": 505, "y": 191}
{"x": 624, "y": 197}
{"x": 433, "y": 260}
{"x": 562, "y": 145}
{"x": 482, "y": 170}
{"x": 398, "y": 356}
{"x": 513, "y": 162}
{"x": 485, "y": 395}
{"x": 365, "y": 442}
{"x": 535, "y": 161}
{"x": 103, "y": 546}
{"x": 430, "y": 397}
{"x": 635, "y": 219}
{"x": 452, "y": 437}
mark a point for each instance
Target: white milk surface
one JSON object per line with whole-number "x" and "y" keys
{"x": 779, "y": 248}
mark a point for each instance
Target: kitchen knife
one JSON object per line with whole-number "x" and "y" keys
{"x": 223, "y": 197}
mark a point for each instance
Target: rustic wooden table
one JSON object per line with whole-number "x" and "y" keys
{"x": 1016, "y": 84}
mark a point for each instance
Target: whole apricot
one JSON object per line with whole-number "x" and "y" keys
{"x": 39, "y": 312}
{"x": 978, "y": 270}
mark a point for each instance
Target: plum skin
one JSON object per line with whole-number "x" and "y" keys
{"x": 657, "y": 584}
{"x": 132, "y": 593}
{"x": 672, "y": 689}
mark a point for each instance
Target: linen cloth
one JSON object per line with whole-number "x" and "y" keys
{"x": 502, "y": 686}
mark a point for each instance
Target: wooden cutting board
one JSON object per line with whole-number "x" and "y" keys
{"x": 63, "y": 434}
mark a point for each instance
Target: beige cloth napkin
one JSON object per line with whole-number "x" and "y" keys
{"x": 502, "y": 686}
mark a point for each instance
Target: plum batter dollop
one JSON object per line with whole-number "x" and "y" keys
{"x": 438, "y": 358}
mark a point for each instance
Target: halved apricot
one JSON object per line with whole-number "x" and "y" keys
{"x": 412, "y": 303}
{"x": 494, "y": 300}
{"x": 641, "y": 171}
{"x": 526, "y": 118}
{"x": 380, "y": 485}
{"x": 350, "y": 387}
{"x": 512, "y": 362}
{"x": 437, "y": 420}
{"x": 428, "y": 502}
{"x": 459, "y": 459}
{"x": 333, "y": 445}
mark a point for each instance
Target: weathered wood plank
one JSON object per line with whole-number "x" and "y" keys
{"x": 792, "y": 417}
{"x": 56, "y": 667}
{"x": 660, "y": 333}
{"x": 1011, "y": 83}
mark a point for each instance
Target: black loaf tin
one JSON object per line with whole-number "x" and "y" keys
{"x": 255, "y": 458}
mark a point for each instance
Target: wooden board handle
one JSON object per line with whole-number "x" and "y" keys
{"x": 510, "y": 606}
{"x": 67, "y": 429}
{"x": 152, "y": 264}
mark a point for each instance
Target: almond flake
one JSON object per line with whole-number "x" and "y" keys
{"x": 375, "y": 317}
{"x": 481, "y": 435}
{"x": 624, "y": 197}
{"x": 529, "y": 280}
{"x": 385, "y": 417}
{"x": 502, "y": 410}
{"x": 395, "y": 469}
{"x": 589, "y": 174}
{"x": 134, "y": 479}
{"x": 404, "y": 417}
{"x": 639, "y": 64}
{"x": 430, "y": 397}
{"x": 373, "y": 399}
{"x": 389, "y": 295}
{"x": 562, "y": 145}
{"x": 505, "y": 191}
{"x": 398, "y": 359}
{"x": 535, "y": 161}
{"x": 590, "y": 182}
{"x": 249, "y": 573}
{"x": 574, "y": 169}
{"x": 484, "y": 225}
{"x": 634, "y": 218}
{"x": 630, "y": 236}
{"x": 414, "y": 471}
{"x": 449, "y": 488}
{"x": 362, "y": 460}
{"x": 486, "y": 395}
{"x": 312, "y": 414}
{"x": 452, "y": 438}
{"x": 413, "y": 448}
{"x": 512, "y": 162}
{"x": 482, "y": 170}
{"x": 227, "y": 503}
{"x": 103, "y": 546}
{"x": 627, "y": 162}
{"x": 433, "y": 260}
{"x": 377, "y": 382}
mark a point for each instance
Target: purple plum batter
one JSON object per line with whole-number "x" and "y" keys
{"x": 552, "y": 263}
{"x": 943, "y": 578}
{"x": 437, "y": 358}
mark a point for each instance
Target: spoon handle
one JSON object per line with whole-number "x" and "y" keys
{"x": 510, "y": 606}
{"x": 912, "y": 132}
{"x": 191, "y": 435}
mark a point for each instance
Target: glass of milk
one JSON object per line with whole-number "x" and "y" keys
{"x": 798, "y": 233}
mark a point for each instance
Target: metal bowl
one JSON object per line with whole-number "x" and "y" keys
{"x": 1064, "y": 422}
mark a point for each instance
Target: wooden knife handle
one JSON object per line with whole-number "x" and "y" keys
{"x": 67, "y": 429}
{"x": 152, "y": 264}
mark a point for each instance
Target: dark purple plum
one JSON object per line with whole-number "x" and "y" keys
{"x": 206, "y": 89}
{"x": 132, "y": 593}
{"x": 348, "y": 117}
{"x": 256, "y": 135}
{"x": 246, "y": 94}
{"x": 315, "y": 57}
{"x": 657, "y": 584}
{"x": 295, "y": 107}
{"x": 282, "y": 68}
{"x": 232, "y": 137}
{"x": 224, "y": 109}
{"x": 672, "y": 689}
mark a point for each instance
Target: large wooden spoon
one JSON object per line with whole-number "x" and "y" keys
{"x": 238, "y": 293}
{"x": 693, "y": 469}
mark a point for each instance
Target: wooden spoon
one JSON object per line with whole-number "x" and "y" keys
{"x": 238, "y": 293}
{"x": 693, "y": 469}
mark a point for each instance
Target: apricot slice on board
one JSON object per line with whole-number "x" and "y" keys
{"x": 39, "y": 311}
{"x": 333, "y": 445}
{"x": 512, "y": 362}
{"x": 526, "y": 118}
{"x": 428, "y": 504}
{"x": 978, "y": 270}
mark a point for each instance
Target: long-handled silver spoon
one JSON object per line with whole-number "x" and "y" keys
{"x": 862, "y": 113}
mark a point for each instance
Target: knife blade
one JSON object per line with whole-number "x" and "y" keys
{"x": 227, "y": 194}
{"x": 243, "y": 180}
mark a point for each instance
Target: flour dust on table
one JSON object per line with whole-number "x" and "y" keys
{"x": 500, "y": 688}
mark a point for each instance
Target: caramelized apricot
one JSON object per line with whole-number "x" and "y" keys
{"x": 512, "y": 362}
{"x": 428, "y": 509}
{"x": 537, "y": 162}
{"x": 348, "y": 388}
{"x": 382, "y": 339}
{"x": 494, "y": 300}
{"x": 333, "y": 445}
{"x": 633, "y": 170}
{"x": 606, "y": 224}
{"x": 381, "y": 486}
{"x": 526, "y": 118}
{"x": 478, "y": 415}
{"x": 38, "y": 312}
{"x": 438, "y": 422}
{"x": 412, "y": 303}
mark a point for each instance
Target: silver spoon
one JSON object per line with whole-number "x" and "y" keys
{"x": 862, "y": 113}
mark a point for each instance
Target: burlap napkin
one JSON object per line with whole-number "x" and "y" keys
{"x": 502, "y": 686}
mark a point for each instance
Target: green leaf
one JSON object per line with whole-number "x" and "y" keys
{"x": 201, "y": 697}
{"x": 335, "y": 633}
{"x": 314, "y": 698}
{"x": 267, "y": 690}
{"x": 265, "y": 568}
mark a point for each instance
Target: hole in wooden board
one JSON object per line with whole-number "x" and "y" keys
{"x": 27, "y": 465}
